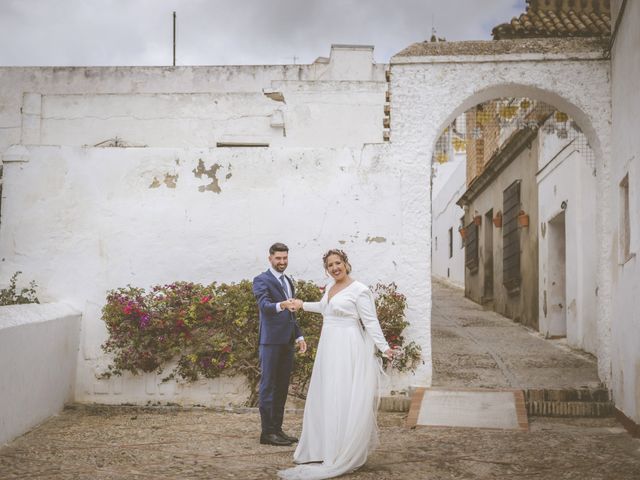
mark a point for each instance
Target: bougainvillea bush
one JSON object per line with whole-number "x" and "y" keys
{"x": 12, "y": 295}
{"x": 212, "y": 330}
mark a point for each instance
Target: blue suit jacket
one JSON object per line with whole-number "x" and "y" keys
{"x": 275, "y": 327}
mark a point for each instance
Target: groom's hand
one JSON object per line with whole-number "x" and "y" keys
{"x": 302, "y": 345}
{"x": 293, "y": 304}
{"x": 287, "y": 305}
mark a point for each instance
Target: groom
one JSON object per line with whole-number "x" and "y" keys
{"x": 278, "y": 329}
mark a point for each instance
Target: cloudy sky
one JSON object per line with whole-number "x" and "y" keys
{"x": 217, "y": 32}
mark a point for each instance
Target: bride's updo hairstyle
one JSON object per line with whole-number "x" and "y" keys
{"x": 339, "y": 253}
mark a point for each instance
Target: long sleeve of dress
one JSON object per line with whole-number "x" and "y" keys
{"x": 313, "y": 307}
{"x": 367, "y": 312}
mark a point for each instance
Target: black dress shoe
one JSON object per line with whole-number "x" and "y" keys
{"x": 281, "y": 434}
{"x": 274, "y": 439}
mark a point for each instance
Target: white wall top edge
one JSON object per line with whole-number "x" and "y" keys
{"x": 509, "y": 57}
{"x": 18, "y": 315}
{"x": 346, "y": 46}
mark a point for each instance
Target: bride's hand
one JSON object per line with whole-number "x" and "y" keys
{"x": 394, "y": 352}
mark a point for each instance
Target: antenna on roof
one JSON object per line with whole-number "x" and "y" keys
{"x": 174, "y": 39}
{"x": 433, "y": 38}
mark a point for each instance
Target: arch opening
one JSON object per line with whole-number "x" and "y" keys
{"x": 510, "y": 162}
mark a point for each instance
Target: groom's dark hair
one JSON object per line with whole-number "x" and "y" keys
{"x": 278, "y": 247}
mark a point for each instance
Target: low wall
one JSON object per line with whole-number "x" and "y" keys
{"x": 38, "y": 354}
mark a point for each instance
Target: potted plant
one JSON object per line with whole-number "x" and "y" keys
{"x": 497, "y": 220}
{"x": 477, "y": 220}
{"x": 463, "y": 232}
{"x": 523, "y": 219}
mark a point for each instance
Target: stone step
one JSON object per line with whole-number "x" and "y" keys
{"x": 541, "y": 402}
{"x": 568, "y": 402}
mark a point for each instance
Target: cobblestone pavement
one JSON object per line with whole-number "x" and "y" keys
{"x": 477, "y": 348}
{"x": 162, "y": 443}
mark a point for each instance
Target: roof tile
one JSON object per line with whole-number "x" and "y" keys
{"x": 558, "y": 18}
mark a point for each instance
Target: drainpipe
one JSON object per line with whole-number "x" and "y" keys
{"x": 614, "y": 34}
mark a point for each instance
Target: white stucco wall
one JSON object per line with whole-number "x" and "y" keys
{"x": 626, "y": 161}
{"x": 564, "y": 175}
{"x": 96, "y": 222}
{"x": 101, "y": 218}
{"x": 98, "y": 103}
{"x": 449, "y": 184}
{"x": 38, "y": 352}
{"x": 429, "y": 91}
{"x": 315, "y": 114}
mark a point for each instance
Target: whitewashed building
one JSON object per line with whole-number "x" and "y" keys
{"x": 447, "y": 254}
{"x": 115, "y": 176}
{"x": 624, "y": 212}
{"x": 566, "y": 233}
{"x": 143, "y": 176}
{"x": 447, "y": 185}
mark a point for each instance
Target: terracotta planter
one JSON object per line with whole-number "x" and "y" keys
{"x": 523, "y": 219}
{"x": 477, "y": 220}
{"x": 462, "y": 232}
{"x": 497, "y": 220}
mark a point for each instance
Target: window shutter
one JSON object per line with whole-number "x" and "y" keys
{"x": 471, "y": 247}
{"x": 511, "y": 237}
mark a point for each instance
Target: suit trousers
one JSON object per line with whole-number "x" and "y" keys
{"x": 276, "y": 363}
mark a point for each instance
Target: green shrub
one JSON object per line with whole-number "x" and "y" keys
{"x": 11, "y": 296}
{"x": 213, "y": 330}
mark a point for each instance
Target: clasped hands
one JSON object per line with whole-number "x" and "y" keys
{"x": 292, "y": 304}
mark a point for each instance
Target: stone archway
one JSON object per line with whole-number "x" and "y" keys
{"x": 431, "y": 84}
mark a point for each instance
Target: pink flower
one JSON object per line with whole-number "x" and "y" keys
{"x": 144, "y": 320}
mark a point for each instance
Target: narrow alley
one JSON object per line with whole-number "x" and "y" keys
{"x": 473, "y": 347}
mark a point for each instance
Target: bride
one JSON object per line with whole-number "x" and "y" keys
{"x": 339, "y": 425}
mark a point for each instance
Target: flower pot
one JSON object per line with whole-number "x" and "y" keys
{"x": 523, "y": 219}
{"x": 497, "y": 220}
{"x": 477, "y": 220}
{"x": 462, "y": 232}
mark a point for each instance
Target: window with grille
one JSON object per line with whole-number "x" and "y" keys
{"x": 511, "y": 277}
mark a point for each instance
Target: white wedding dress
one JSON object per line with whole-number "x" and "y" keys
{"x": 339, "y": 426}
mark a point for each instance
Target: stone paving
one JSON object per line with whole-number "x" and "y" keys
{"x": 161, "y": 443}
{"x": 472, "y": 348}
{"x": 476, "y": 348}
